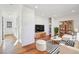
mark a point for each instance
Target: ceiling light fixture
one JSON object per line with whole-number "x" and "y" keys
{"x": 73, "y": 11}
{"x": 36, "y": 6}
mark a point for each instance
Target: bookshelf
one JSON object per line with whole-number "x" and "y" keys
{"x": 66, "y": 27}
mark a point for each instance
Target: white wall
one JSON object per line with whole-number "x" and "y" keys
{"x": 40, "y": 20}
{"x": 76, "y": 22}
{"x": 0, "y": 31}
{"x": 28, "y": 28}
{"x": 23, "y": 22}
{"x": 10, "y": 13}
{"x": 53, "y": 25}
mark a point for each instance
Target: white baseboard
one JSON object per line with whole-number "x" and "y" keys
{"x": 28, "y": 43}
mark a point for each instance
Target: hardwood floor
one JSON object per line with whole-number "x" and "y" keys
{"x": 30, "y": 49}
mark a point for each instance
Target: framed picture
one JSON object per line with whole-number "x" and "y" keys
{"x": 9, "y": 24}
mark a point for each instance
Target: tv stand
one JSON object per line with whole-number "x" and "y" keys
{"x": 39, "y": 35}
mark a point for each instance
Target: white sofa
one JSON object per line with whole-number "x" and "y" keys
{"x": 64, "y": 49}
{"x": 67, "y": 37}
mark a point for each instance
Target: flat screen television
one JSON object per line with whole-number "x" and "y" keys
{"x": 39, "y": 28}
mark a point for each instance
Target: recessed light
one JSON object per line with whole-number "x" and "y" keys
{"x": 36, "y": 6}
{"x": 73, "y": 11}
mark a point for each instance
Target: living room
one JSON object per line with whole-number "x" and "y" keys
{"x": 39, "y": 28}
{"x": 48, "y": 21}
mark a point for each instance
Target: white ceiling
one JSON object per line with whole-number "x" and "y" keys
{"x": 56, "y": 10}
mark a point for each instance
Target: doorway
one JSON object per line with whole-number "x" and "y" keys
{"x": 8, "y": 34}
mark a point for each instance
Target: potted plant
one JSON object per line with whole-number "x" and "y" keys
{"x": 56, "y": 31}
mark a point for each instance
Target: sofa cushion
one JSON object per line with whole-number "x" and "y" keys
{"x": 70, "y": 43}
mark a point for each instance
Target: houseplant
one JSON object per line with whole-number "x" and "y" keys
{"x": 56, "y": 31}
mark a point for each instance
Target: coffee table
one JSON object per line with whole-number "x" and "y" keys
{"x": 56, "y": 41}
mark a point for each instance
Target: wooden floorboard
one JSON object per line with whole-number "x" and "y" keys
{"x": 30, "y": 49}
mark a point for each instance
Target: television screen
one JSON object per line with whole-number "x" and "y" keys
{"x": 39, "y": 28}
